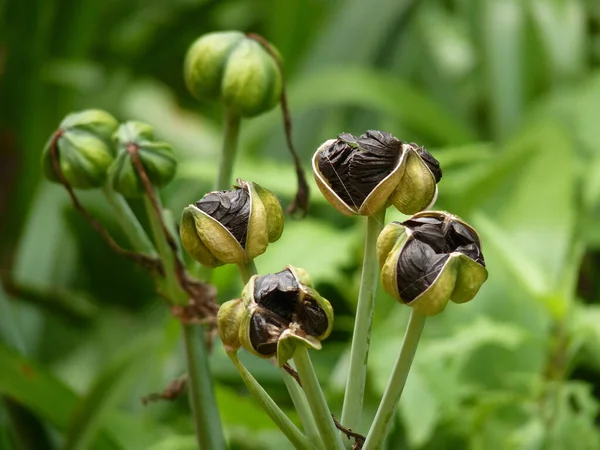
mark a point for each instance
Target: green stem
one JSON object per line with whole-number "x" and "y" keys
{"x": 129, "y": 222}
{"x": 247, "y": 270}
{"x": 202, "y": 398}
{"x": 170, "y": 285}
{"x": 273, "y": 411}
{"x": 359, "y": 352}
{"x": 316, "y": 399}
{"x": 231, "y": 131}
{"x": 393, "y": 391}
{"x": 207, "y": 423}
{"x": 301, "y": 404}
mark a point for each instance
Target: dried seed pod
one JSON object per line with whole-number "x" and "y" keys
{"x": 430, "y": 259}
{"x": 362, "y": 175}
{"x": 232, "y": 68}
{"x": 156, "y": 157}
{"x": 232, "y": 226}
{"x": 84, "y": 147}
{"x": 283, "y": 310}
{"x": 229, "y": 320}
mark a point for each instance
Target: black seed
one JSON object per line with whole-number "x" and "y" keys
{"x": 278, "y": 293}
{"x": 353, "y": 166}
{"x": 231, "y": 209}
{"x": 264, "y": 332}
{"x": 432, "y": 163}
{"x": 418, "y": 267}
{"x": 312, "y": 318}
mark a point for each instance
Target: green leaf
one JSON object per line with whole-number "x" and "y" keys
{"x": 381, "y": 92}
{"x": 29, "y": 384}
{"x": 502, "y": 25}
{"x": 107, "y": 389}
{"x": 419, "y": 408}
{"x": 565, "y": 50}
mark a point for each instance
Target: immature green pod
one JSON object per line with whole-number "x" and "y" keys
{"x": 84, "y": 148}
{"x": 233, "y": 226}
{"x": 430, "y": 259}
{"x": 234, "y": 69}
{"x": 229, "y": 320}
{"x": 362, "y": 175}
{"x": 283, "y": 310}
{"x": 157, "y": 158}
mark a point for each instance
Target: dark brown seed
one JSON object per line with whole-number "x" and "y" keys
{"x": 231, "y": 209}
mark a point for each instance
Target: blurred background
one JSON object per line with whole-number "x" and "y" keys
{"x": 505, "y": 93}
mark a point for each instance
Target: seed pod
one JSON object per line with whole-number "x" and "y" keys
{"x": 430, "y": 259}
{"x": 234, "y": 69}
{"x": 283, "y": 310}
{"x": 362, "y": 175}
{"x": 229, "y": 319}
{"x": 231, "y": 226}
{"x": 84, "y": 148}
{"x": 156, "y": 157}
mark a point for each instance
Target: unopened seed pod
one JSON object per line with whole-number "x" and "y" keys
{"x": 362, "y": 175}
{"x": 234, "y": 69}
{"x": 430, "y": 259}
{"x": 156, "y": 157}
{"x": 84, "y": 148}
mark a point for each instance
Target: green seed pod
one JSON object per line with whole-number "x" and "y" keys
{"x": 232, "y": 68}
{"x": 283, "y": 310}
{"x": 157, "y": 158}
{"x": 231, "y": 227}
{"x": 229, "y": 319}
{"x": 362, "y": 175}
{"x": 430, "y": 259}
{"x": 84, "y": 147}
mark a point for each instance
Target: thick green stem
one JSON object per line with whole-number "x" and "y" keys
{"x": 209, "y": 433}
{"x": 247, "y": 270}
{"x": 131, "y": 226}
{"x": 207, "y": 421}
{"x": 359, "y": 352}
{"x": 316, "y": 399}
{"x": 270, "y": 407}
{"x": 302, "y": 407}
{"x": 170, "y": 285}
{"x": 231, "y": 131}
{"x": 393, "y": 391}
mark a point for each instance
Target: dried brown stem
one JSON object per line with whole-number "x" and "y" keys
{"x": 359, "y": 439}
{"x": 300, "y": 203}
{"x": 173, "y": 390}
{"x": 147, "y": 262}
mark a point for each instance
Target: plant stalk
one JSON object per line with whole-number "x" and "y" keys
{"x": 316, "y": 399}
{"x": 270, "y": 407}
{"x": 247, "y": 270}
{"x": 207, "y": 420}
{"x": 231, "y": 132}
{"x": 393, "y": 391}
{"x": 302, "y": 407}
{"x": 359, "y": 351}
{"x": 207, "y": 423}
{"x": 170, "y": 285}
{"x": 129, "y": 223}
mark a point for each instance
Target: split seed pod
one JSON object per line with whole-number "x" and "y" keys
{"x": 362, "y": 175}
{"x": 283, "y": 310}
{"x": 84, "y": 147}
{"x": 430, "y": 259}
{"x": 156, "y": 157}
{"x": 232, "y": 68}
{"x": 231, "y": 227}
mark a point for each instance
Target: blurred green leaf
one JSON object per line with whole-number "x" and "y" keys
{"x": 107, "y": 389}
{"x": 32, "y": 386}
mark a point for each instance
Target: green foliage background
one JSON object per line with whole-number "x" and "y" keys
{"x": 505, "y": 93}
